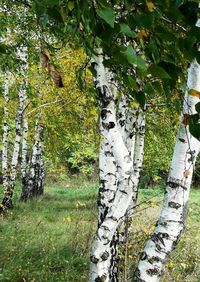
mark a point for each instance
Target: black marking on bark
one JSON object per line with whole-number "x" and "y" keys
{"x": 120, "y": 115}
{"x": 173, "y": 185}
{"x": 143, "y": 256}
{"x": 159, "y": 238}
{"x": 123, "y": 192}
{"x": 152, "y": 271}
{"x": 174, "y": 205}
{"x": 137, "y": 275}
{"x": 94, "y": 259}
{"x": 192, "y": 156}
{"x": 108, "y": 154}
{"x": 105, "y": 256}
{"x": 111, "y": 124}
{"x": 164, "y": 224}
{"x": 113, "y": 218}
{"x": 122, "y": 123}
{"x": 101, "y": 278}
{"x": 175, "y": 242}
{"x": 182, "y": 140}
{"x": 154, "y": 259}
{"x": 103, "y": 114}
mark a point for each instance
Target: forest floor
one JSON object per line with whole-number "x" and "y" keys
{"x": 49, "y": 239}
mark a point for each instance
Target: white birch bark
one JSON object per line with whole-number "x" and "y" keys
{"x": 9, "y": 188}
{"x": 24, "y": 147}
{"x": 127, "y": 123}
{"x": 7, "y": 200}
{"x": 5, "y": 135}
{"x": 101, "y": 246}
{"x": 138, "y": 155}
{"x": 174, "y": 210}
{"x": 33, "y": 180}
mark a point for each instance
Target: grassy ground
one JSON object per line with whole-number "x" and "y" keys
{"x": 49, "y": 239}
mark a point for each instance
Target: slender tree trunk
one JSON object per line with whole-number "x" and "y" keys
{"x": 108, "y": 186}
{"x": 24, "y": 147}
{"x": 101, "y": 246}
{"x": 7, "y": 200}
{"x": 5, "y": 135}
{"x": 138, "y": 155}
{"x": 33, "y": 180}
{"x": 172, "y": 219}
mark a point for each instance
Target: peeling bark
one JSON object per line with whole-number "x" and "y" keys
{"x": 172, "y": 219}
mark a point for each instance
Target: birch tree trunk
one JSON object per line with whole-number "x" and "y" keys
{"x": 138, "y": 154}
{"x": 172, "y": 219}
{"x": 8, "y": 191}
{"x": 101, "y": 247}
{"x": 7, "y": 200}
{"x": 24, "y": 147}
{"x": 5, "y": 136}
{"x": 108, "y": 186}
{"x": 33, "y": 180}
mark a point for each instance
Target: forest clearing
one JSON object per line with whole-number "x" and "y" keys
{"x": 50, "y": 238}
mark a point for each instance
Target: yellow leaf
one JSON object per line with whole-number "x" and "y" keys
{"x": 145, "y": 230}
{"x": 93, "y": 112}
{"x": 170, "y": 264}
{"x": 150, "y": 6}
{"x": 152, "y": 228}
{"x": 194, "y": 93}
{"x": 67, "y": 219}
{"x": 71, "y": 5}
{"x": 88, "y": 121}
{"x": 130, "y": 246}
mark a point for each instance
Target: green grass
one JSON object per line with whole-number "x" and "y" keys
{"x": 49, "y": 239}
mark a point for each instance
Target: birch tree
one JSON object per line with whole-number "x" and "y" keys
{"x": 33, "y": 180}
{"x": 8, "y": 193}
{"x": 122, "y": 190}
{"x": 172, "y": 219}
{"x": 9, "y": 188}
{"x": 5, "y": 135}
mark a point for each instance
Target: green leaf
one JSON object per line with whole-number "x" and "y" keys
{"x": 140, "y": 98}
{"x": 124, "y": 28}
{"x": 195, "y": 130}
{"x": 159, "y": 72}
{"x": 107, "y": 14}
{"x": 194, "y": 125}
{"x": 130, "y": 82}
{"x": 2, "y": 48}
{"x": 54, "y": 14}
{"x": 197, "y": 107}
{"x": 132, "y": 58}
